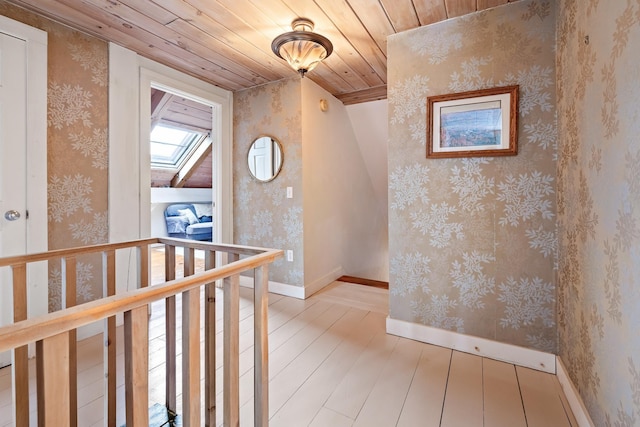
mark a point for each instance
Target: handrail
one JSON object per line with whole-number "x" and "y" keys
{"x": 55, "y": 333}
{"x": 40, "y": 327}
{"x": 85, "y": 250}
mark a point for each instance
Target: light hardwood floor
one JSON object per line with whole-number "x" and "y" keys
{"x": 332, "y": 365}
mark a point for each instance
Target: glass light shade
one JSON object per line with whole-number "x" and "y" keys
{"x": 302, "y": 49}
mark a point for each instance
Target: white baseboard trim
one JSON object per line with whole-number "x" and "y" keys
{"x": 276, "y": 288}
{"x": 297, "y": 291}
{"x": 323, "y": 281}
{"x": 510, "y": 353}
{"x": 573, "y": 397}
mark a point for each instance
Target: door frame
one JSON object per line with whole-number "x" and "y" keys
{"x": 220, "y": 145}
{"x": 36, "y": 162}
{"x": 130, "y": 77}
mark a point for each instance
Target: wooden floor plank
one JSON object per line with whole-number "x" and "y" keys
{"x": 327, "y": 417}
{"x": 430, "y": 381}
{"x": 359, "y": 296}
{"x": 332, "y": 364}
{"x": 502, "y": 400}
{"x": 384, "y": 404}
{"x": 463, "y": 398}
{"x": 302, "y": 407}
{"x": 286, "y": 382}
{"x": 542, "y": 404}
{"x": 350, "y": 395}
{"x": 282, "y": 356}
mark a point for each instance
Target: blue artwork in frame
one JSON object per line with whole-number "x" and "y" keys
{"x": 471, "y": 124}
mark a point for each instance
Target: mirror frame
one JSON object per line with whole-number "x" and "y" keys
{"x": 278, "y": 170}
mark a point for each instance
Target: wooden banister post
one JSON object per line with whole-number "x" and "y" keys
{"x": 109, "y": 289}
{"x": 69, "y": 299}
{"x": 136, "y": 366}
{"x": 52, "y": 361}
{"x": 191, "y": 358}
{"x": 170, "y": 331}
{"x": 231, "y": 371}
{"x": 190, "y": 347}
{"x": 210, "y": 344}
{"x": 143, "y": 266}
{"x": 189, "y": 262}
{"x": 261, "y": 347}
{"x": 20, "y": 365}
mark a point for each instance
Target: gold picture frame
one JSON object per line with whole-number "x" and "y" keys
{"x": 479, "y": 123}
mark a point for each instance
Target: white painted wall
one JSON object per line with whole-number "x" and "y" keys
{"x": 370, "y": 124}
{"x": 345, "y": 230}
{"x": 371, "y": 127}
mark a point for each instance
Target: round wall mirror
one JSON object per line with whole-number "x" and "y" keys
{"x": 265, "y": 158}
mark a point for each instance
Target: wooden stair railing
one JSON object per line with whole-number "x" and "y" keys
{"x": 55, "y": 334}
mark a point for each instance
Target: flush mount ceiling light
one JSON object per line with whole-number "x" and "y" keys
{"x": 302, "y": 48}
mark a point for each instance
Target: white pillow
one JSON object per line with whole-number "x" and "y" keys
{"x": 203, "y": 209}
{"x": 189, "y": 215}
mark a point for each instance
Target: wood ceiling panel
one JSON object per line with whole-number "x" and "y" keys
{"x": 459, "y": 7}
{"x": 401, "y": 13}
{"x": 235, "y": 32}
{"x": 486, "y": 4}
{"x": 172, "y": 52}
{"x": 151, "y": 10}
{"x": 188, "y": 114}
{"x": 372, "y": 94}
{"x": 343, "y": 17}
{"x": 161, "y": 178}
{"x": 203, "y": 43}
{"x": 375, "y": 20}
{"x": 201, "y": 177}
{"x": 186, "y": 40}
{"x": 430, "y": 11}
{"x": 228, "y": 42}
{"x": 222, "y": 40}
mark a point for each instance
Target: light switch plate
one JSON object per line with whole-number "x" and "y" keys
{"x": 289, "y": 255}
{"x": 289, "y": 192}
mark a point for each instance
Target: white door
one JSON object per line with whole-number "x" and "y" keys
{"x": 13, "y": 64}
{"x": 261, "y": 158}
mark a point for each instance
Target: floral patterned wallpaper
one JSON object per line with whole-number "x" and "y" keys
{"x": 473, "y": 240}
{"x": 263, "y": 216}
{"x": 599, "y": 204}
{"x": 77, "y": 147}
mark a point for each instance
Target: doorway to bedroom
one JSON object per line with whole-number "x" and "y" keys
{"x": 181, "y": 166}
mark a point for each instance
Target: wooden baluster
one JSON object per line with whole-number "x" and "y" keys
{"x": 191, "y": 358}
{"x": 261, "y": 347}
{"x": 189, "y": 262}
{"x": 190, "y": 347}
{"x": 136, "y": 366}
{"x": 210, "y": 344}
{"x": 231, "y": 371}
{"x": 170, "y": 331}
{"x": 143, "y": 266}
{"x": 109, "y": 289}
{"x": 52, "y": 361}
{"x": 20, "y": 365}
{"x": 69, "y": 299}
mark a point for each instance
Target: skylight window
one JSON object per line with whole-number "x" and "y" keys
{"x": 170, "y": 147}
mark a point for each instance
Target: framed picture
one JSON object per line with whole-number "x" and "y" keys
{"x": 479, "y": 123}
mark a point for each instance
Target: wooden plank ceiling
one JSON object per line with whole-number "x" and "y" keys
{"x": 228, "y": 42}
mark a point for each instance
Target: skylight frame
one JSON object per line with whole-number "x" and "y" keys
{"x": 189, "y": 143}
